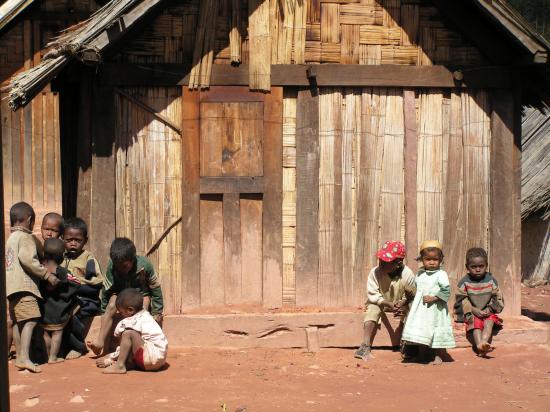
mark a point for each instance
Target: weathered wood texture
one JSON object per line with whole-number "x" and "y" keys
{"x": 504, "y": 200}
{"x": 31, "y": 156}
{"x": 309, "y": 31}
{"x": 149, "y": 183}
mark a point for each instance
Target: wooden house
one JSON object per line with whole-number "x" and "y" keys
{"x": 30, "y": 137}
{"x": 535, "y": 196}
{"x": 262, "y": 150}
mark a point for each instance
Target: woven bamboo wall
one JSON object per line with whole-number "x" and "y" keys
{"x": 405, "y": 32}
{"x": 361, "y": 182}
{"x": 148, "y": 182}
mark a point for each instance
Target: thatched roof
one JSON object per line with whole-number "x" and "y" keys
{"x": 117, "y": 17}
{"x": 535, "y": 163}
{"x": 11, "y": 9}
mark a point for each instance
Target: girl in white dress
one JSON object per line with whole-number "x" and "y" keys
{"x": 429, "y": 322}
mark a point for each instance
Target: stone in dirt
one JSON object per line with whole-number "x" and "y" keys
{"x": 77, "y": 399}
{"x": 29, "y": 403}
{"x": 17, "y": 388}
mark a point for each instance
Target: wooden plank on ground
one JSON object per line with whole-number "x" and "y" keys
{"x": 191, "y": 287}
{"x": 212, "y": 264}
{"x": 502, "y": 201}
{"x": 251, "y": 245}
{"x": 232, "y": 248}
{"x": 272, "y": 212}
{"x": 411, "y": 230}
{"x": 307, "y": 197}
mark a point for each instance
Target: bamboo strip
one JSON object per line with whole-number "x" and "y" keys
{"x": 392, "y": 13}
{"x": 260, "y": 45}
{"x": 330, "y": 52}
{"x": 379, "y": 35}
{"x": 299, "y": 35}
{"x": 409, "y": 24}
{"x": 404, "y": 55}
{"x": 286, "y": 31}
{"x": 391, "y": 197}
{"x": 313, "y": 32}
{"x": 330, "y": 23}
{"x": 360, "y": 14}
{"x": 369, "y": 54}
{"x": 203, "y": 55}
{"x": 235, "y": 34}
{"x": 313, "y": 52}
{"x": 430, "y": 166}
{"x": 350, "y": 44}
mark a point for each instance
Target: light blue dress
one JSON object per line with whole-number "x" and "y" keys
{"x": 430, "y": 324}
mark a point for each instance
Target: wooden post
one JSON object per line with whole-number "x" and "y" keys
{"x": 191, "y": 288}
{"x": 410, "y": 159}
{"x": 505, "y": 225}
{"x": 4, "y": 376}
{"x": 84, "y": 150}
{"x": 102, "y": 198}
{"x": 307, "y": 197}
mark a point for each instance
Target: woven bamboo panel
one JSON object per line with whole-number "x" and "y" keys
{"x": 289, "y": 197}
{"x": 148, "y": 174}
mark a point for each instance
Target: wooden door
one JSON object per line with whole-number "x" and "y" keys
{"x": 232, "y": 151}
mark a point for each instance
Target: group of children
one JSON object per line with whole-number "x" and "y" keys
{"x": 421, "y": 302}
{"x": 57, "y": 284}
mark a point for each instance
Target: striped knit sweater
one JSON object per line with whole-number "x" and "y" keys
{"x": 483, "y": 294}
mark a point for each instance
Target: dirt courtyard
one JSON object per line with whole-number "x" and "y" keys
{"x": 516, "y": 378}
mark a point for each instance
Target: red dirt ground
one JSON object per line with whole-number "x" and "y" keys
{"x": 516, "y": 378}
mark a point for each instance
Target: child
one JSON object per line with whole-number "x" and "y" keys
{"x": 23, "y": 273}
{"x": 429, "y": 323}
{"x": 478, "y": 300}
{"x": 60, "y": 301}
{"x": 51, "y": 226}
{"x": 84, "y": 266}
{"x": 143, "y": 346}
{"x": 390, "y": 288}
{"x": 126, "y": 270}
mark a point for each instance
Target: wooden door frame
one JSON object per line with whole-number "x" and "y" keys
{"x": 272, "y": 283}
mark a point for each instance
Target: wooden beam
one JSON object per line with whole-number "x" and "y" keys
{"x": 160, "y": 117}
{"x": 213, "y": 185}
{"x": 191, "y": 288}
{"x": 411, "y": 135}
{"x": 307, "y": 197}
{"x": 352, "y": 75}
{"x": 504, "y": 215}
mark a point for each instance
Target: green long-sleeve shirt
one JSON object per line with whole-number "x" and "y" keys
{"x": 141, "y": 277}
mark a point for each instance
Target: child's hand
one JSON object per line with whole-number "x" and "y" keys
{"x": 478, "y": 313}
{"x": 430, "y": 299}
{"x": 158, "y": 318}
{"x": 52, "y": 280}
{"x": 387, "y": 304}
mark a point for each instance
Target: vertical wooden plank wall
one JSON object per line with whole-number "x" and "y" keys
{"x": 149, "y": 183}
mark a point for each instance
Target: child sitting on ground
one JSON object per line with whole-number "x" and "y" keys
{"x": 84, "y": 266}
{"x": 390, "y": 287}
{"x": 429, "y": 323}
{"x": 143, "y": 345}
{"x": 23, "y": 273}
{"x": 60, "y": 301}
{"x": 478, "y": 301}
{"x": 127, "y": 270}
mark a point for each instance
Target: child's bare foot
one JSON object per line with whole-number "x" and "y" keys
{"x": 73, "y": 355}
{"x": 115, "y": 368}
{"x": 95, "y": 347}
{"x": 31, "y": 367}
{"x": 437, "y": 360}
{"x": 104, "y": 363}
{"x": 483, "y": 348}
{"x": 56, "y": 360}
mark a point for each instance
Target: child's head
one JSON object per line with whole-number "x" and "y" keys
{"x": 75, "y": 235}
{"x": 129, "y": 302}
{"x": 54, "y": 249}
{"x": 390, "y": 257}
{"x": 22, "y": 214}
{"x": 431, "y": 254}
{"x": 123, "y": 255}
{"x": 52, "y": 224}
{"x": 477, "y": 262}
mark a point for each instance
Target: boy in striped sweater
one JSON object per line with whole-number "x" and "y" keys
{"x": 479, "y": 301}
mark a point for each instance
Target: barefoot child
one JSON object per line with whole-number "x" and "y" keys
{"x": 23, "y": 273}
{"x": 143, "y": 345}
{"x": 478, "y": 301}
{"x": 84, "y": 266}
{"x": 429, "y": 323}
{"x": 127, "y": 270}
{"x": 60, "y": 301}
{"x": 390, "y": 288}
